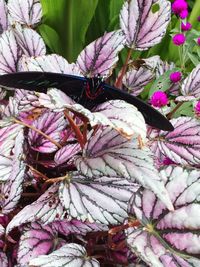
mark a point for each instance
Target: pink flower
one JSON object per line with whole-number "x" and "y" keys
{"x": 179, "y": 39}
{"x": 198, "y": 18}
{"x": 198, "y": 41}
{"x": 197, "y": 109}
{"x": 178, "y": 6}
{"x": 175, "y": 76}
{"x": 183, "y": 14}
{"x": 159, "y": 99}
{"x": 186, "y": 27}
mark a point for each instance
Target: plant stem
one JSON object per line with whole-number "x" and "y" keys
{"x": 118, "y": 82}
{"x": 169, "y": 116}
{"x": 38, "y": 131}
{"x": 76, "y": 129}
{"x": 38, "y": 173}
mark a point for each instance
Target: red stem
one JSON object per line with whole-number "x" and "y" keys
{"x": 118, "y": 82}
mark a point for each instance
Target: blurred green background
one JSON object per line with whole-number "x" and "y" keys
{"x": 69, "y": 25}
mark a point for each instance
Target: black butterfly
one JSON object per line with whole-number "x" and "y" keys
{"x": 89, "y": 92}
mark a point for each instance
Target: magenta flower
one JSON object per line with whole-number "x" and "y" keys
{"x": 198, "y": 18}
{"x": 183, "y": 14}
{"x": 186, "y": 27}
{"x": 175, "y": 76}
{"x": 198, "y": 41}
{"x": 159, "y": 99}
{"x": 179, "y": 39}
{"x": 197, "y": 109}
{"x": 179, "y": 6}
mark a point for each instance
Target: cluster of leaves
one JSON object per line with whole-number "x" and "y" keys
{"x": 83, "y": 187}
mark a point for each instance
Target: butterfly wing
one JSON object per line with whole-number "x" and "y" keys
{"x": 39, "y": 81}
{"x": 151, "y": 115}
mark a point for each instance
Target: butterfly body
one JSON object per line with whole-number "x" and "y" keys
{"x": 88, "y": 92}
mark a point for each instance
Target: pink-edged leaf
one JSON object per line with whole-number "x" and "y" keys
{"x": 27, "y": 100}
{"x": 9, "y": 52}
{"x": 49, "y": 63}
{"x": 165, "y": 238}
{"x": 36, "y": 240}
{"x": 135, "y": 80}
{"x": 8, "y": 135}
{"x": 69, "y": 255}
{"x": 144, "y": 22}
{"x": 51, "y": 124}
{"x": 65, "y": 227}
{"x": 101, "y": 200}
{"x": 127, "y": 119}
{"x": 12, "y": 189}
{"x": 66, "y": 153}
{"x": 191, "y": 85}
{"x": 100, "y": 57}
{"x": 29, "y": 41}
{"x": 182, "y": 145}
{"x": 3, "y": 16}
{"x": 27, "y": 12}
{"x": 107, "y": 153}
{"x": 47, "y": 208}
{"x": 3, "y": 259}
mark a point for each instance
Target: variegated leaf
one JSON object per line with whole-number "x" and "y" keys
{"x": 168, "y": 239}
{"x": 69, "y": 255}
{"x": 126, "y": 118}
{"x": 27, "y": 12}
{"x": 49, "y": 63}
{"x": 7, "y": 139}
{"x": 27, "y": 100}
{"x": 65, "y": 227}
{"x": 47, "y": 208}
{"x": 12, "y": 109}
{"x": 9, "y": 53}
{"x": 29, "y": 41}
{"x": 191, "y": 85}
{"x": 3, "y": 259}
{"x": 66, "y": 153}
{"x": 182, "y": 145}
{"x": 3, "y": 16}
{"x": 135, "y": 80}
{"x": 36, "y": 240}
{"x": 144, "y": 22}
{"x": 51, "y": 124}
{"x": 58, "y": 101}
{"x": 107, "y": 153}
{"x": 12, "y": 189}
{"x": 101, "y": 200}
{"x": 100, "y": 57}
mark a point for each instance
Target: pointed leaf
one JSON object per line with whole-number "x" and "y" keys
{"x": 9, "y": 53}
{"x": 12, "y": 189}
{"x": 182, "y": 144}
{"x": 51, "y": 124}
{"x": 109, "y": 154}
{"x": 49, "y": 63}
{"x": 100, "y": 57}
{"x": 36, "y": 240}
{"x": 29, "y": 41}
{"x": 144, "y": 28}
{"x": 191, "y": 85}
{"x": 126, "y": 118}
{"x": 103, "y": 200}
{"x": 168, "y": 238}
{"x": 135, "y": 80}
{"x": 47, "y": 208}
{"x": 69, "y": 255}
{"x": 27, "y": 12}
